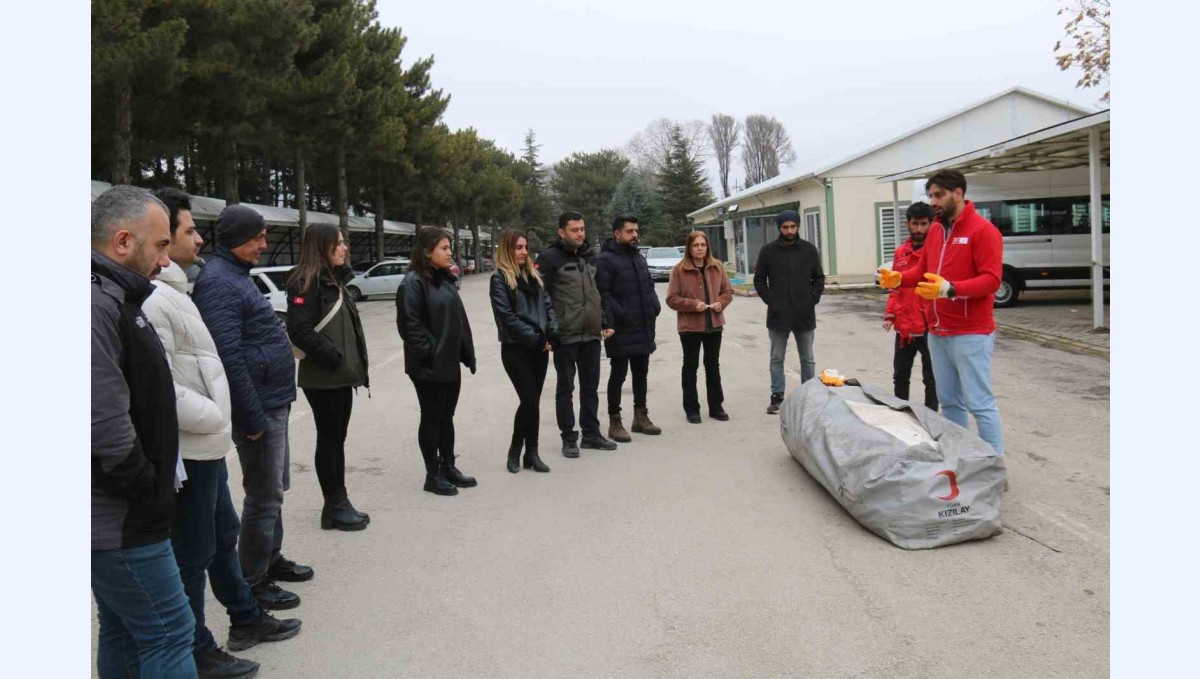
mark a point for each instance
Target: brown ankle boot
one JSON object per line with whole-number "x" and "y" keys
{"x": 642, "y": 423}
{"x": 616, "y": 430}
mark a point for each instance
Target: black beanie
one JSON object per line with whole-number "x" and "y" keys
{"x": 238, "y": 224}
{"x": 787, "y": 216}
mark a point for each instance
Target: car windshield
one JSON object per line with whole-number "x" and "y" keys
{"x": 662, "y": 253}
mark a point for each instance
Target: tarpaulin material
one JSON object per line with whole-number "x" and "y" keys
{"x": 903, "y": 471}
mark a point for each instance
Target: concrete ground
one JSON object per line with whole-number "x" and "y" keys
{"x": 705, "y": 552}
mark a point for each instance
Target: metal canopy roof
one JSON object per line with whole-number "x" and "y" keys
{"x": 1058, "y": 147}
{"x": 206, "y": 209}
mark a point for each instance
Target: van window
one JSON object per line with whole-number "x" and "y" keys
{"x": 1042, "y": 216}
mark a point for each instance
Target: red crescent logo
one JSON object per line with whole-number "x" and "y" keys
{"x": 953, "y": 478}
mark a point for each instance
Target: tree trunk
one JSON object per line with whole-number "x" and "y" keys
{"x": 475, "y": 241}
{"x": 189, "y": 178}
{"x": 343, "y": 217}
{"x": 122, "y": 136}
{"x": 301, "y": 197}
{"x": 229, "y": 171}
{"x": 379, "y": 254}
{"x": 268, "y": 196}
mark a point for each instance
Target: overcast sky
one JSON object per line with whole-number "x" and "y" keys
{"x": 841, "y": 76}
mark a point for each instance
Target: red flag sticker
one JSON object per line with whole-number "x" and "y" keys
{"x": 298, "y": 300}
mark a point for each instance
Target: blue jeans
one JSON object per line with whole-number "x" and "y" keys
{"x": 808, "y": 363}
{"x": 962, "y": 367}
{"x": 205, "y": 538}
{"x": 146, "y": 625}
{"x": 265, "y": 476}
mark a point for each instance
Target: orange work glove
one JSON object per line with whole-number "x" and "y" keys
{"x": 934, "y": 286}
{"x": 888, "y": 279}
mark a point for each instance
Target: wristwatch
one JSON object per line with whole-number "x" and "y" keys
{"x": 950, "y": 291}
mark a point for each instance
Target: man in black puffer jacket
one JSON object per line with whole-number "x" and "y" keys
{"x": 630, "y": 307}
{"x": 257, "y": 355}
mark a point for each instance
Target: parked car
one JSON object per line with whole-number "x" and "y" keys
{"x": 682, "y": 249}
{"x": 381, "y": 280}
{"x": 272, "y": 282}
{"x": 643, "y": 249}
{"x": 661, "y": 261}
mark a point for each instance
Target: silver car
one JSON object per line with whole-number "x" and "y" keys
{"x": 661, "y": 261}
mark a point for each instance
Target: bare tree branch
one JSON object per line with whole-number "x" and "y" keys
{"x": 767, "y": 146}
{"x": 648, "y": 149}
{"x": 724, "y": 132}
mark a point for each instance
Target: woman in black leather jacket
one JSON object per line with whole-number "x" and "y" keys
{"x": 437, "y": 340}
{"x": 526, "y": 324}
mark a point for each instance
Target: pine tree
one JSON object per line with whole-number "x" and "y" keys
{"x": 683, "y": 188}
{"x": 635, "y": 195}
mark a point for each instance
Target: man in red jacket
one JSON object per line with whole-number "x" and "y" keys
{"x": 959, "y": 273}
{"x": 906, "y": 312}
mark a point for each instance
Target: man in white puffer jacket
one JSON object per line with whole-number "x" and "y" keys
{"x": 205, "y": 533}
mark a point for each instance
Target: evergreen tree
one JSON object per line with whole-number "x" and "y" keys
{"x": 682, "y": 187}
{"x": 536, "y": 218}
{"x": 586, "y": 182}
{"x": 635, "y": 195}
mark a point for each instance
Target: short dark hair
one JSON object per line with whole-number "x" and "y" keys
{"x": 621, "y": 220}
{"x": 568, "y": 216}
{"x": 918, "y": 210}
{"x": 175, "y": 200}
{"x": 949, "y": 180}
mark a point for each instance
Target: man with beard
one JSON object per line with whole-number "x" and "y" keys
{"x": 960, "y": 273}
{"x": 568, "y": 269}
{"x": 146, "y": 625}
{"x": 789, "y": 280}
{"x": 631, "y": 307}
{"x": 906, "y": 312}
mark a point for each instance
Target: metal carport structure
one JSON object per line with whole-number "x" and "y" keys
{"x": 1081, "y": 142}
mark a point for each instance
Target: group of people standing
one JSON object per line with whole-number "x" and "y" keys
{"x": 177, "y": 378}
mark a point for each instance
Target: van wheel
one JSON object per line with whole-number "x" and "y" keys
{"x": 1009, "y": 292}
{"x": 355, "y": 293}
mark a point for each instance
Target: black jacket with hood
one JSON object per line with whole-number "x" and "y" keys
{"x": 135, "y": 433}
{"x": 630, "y": 303}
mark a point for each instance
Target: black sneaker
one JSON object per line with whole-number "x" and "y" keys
{"x": 570, "y": 448}
{"x": 719, "y": 415}
{"x": 776, "y": 401}
{"x": 599, "y": 443}
{"x": 694, "y": 418}
{"x": 271, "y": 597}
{"x": 217, "y": 664}
{"x": 265, "y": 628}
{"x": 287, "y": 570}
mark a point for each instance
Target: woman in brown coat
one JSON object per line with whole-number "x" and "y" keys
{"x": 699, "y": 291}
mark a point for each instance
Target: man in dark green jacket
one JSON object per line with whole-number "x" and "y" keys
{"x": 569, "y": 271}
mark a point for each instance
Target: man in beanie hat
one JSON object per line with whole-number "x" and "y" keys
{"x": 789, "y": 280}
{"x": 257, "y": 355}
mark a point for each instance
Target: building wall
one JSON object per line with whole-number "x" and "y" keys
{"x": 1010, "y": 116}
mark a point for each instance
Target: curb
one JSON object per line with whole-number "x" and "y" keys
{"x": 1053, "y": 341}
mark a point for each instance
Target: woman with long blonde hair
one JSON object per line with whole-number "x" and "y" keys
{"x": 527, "y": 327}
{"x": 700, "y": 291}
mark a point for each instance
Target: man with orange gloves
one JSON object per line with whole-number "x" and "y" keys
{"x": 959, "y": 273}
{"x": 908, "y": 313}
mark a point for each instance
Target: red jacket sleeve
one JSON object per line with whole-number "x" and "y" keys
{"x": 988, "y": 255}
{"x": 893, "y": 303}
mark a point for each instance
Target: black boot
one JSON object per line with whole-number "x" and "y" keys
{"x": 514, "y": 458}
{"x": 265, "y": 628}
{"x": 532, "y": 461}
{"x": 570, "y": 447}
{"x": 438, "y": 485}
{"x": 776, "y": 401}
{"x": 453, "y": 475}
{"x": 339, "y": 514}
{"x": 217, "y": 664}
{"x": 289, "y": 571}
{"x": 366, "y": 517}
{"x": 271, "y": 597}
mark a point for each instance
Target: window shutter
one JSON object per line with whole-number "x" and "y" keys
{"x": 889, "y": 233}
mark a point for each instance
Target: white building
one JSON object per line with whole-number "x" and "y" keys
{"x": 850, "y": 216}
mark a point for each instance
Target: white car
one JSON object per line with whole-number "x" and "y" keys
{"x": 381, "y": 280}
{"x": 272, "y": 282}
{"x": 661, "y": 261}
